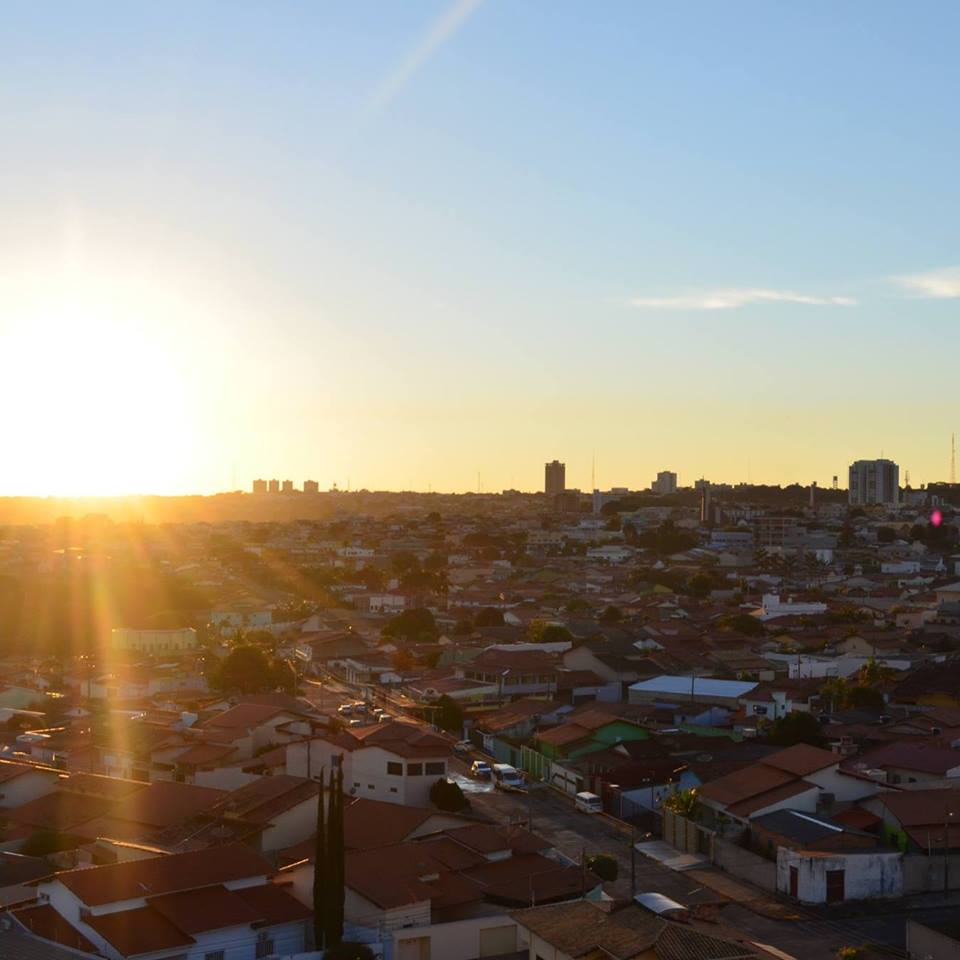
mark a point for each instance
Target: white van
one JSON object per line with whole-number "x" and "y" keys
{"x": 588, "y": 802}
{"x": 506, "y": 777}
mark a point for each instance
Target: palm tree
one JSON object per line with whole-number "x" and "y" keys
{"x": 874, "y": 674}
{"x": 836, "y": 690}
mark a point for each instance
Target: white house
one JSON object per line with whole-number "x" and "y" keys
{"x": 216, "y": 902}
{"x": 395, "y": 761}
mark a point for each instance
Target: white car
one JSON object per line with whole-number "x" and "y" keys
{"x": 481, "y": 770}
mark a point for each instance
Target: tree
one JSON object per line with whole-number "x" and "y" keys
{"x": 337, "y": 855}
{"x": 320, "y": 874}
{"x": 447, "y": 795}
{"x": 402, "y": 660}
{"x": 448, "y": 715}
{"x": 700, "y": 584}
{"x": 797, "y": 727}
{"x": 744, "y": 623}
{"x": 836, "y": 690}
{"x": 329, "y": 874}
{"x": 604, "y": 865}
{"x": 416, "y": 624}
{"x": 874, "y": 674}
{"x": 404, "y": 562}
{"x": 244, "y": 670}
{"x": 488, "y": 617}
{"x": 540, "y": 631}
{"x": 866, "y": 698}
{"x": 682, "y": 802}
{"x": 611, "y": 614}
{"x": 886, "y": 535}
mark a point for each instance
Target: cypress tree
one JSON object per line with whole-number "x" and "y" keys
{"x": 336, "y": 862}
{"x": 320, "y": 875}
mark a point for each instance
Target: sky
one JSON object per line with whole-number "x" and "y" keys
{"x": 432, "y": 245}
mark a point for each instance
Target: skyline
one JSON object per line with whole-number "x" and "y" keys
{"x": 398, "y": 245}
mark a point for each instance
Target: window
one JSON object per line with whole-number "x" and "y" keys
{"x": 357, "y": 785}
{"x": 393, "y": 789}
{"x": 213, "y": 955}
{"x": 414, "y": 769}
{"x": 394, "y": 769}
{"x": 370, "y": 786}
{"x": 264, "y": 945}
{"x": 438, "y": 769}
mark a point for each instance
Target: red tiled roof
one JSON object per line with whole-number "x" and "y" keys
{"x": 801, "y": 759}
{"x": 212, "y": 908}
{"x": 763, "y": 800}
{"x": 274, "y": 904}
{"x": 45, "y": 922}
{"x": 142, "y": 930}
{"x": 132, "y": 879}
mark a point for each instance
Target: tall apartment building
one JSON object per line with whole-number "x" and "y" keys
{"x": 273, "y": 486}
{"x": 287, "y": 486}
{"x": 555, "y": 478}
{"x": 872, "y": 482}
{"x": 666, "y": 482}
{"x": 259, "y": 486}
{"x": 311, "y": 486}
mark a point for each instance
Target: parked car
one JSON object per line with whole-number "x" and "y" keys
{"x": 480, "y": 769}
{"x": 345, "y": 709}
{"x": 506, "y": 777}
{"x": 587, "y": 802}
{"x": 463, "y": 748}
{"x": 381, "y": 716}
{"x": 360, "y": 707}
{"x": 355, "y": 722}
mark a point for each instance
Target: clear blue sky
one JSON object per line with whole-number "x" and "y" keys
{"x": 398, "y": 243}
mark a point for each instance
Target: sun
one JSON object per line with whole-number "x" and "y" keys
{"x": 98, "y": 401}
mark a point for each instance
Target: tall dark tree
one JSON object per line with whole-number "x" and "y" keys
{"x": 337, "y": 862}
{"x": 320, "y": 875}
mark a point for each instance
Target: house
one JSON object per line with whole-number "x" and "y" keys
{"x": 249, "y": 727}
{"x": 693, "y": 690}
{"x": 902, "y": 762}
{"x": 191, "y": 905}
{"x": 583, "y": 929}
{"x": 282, "y": 808}
{"x": 447, "y": 894}
{"x": 395, "y": 761}
{"x": 800, "y": 777}
{"x": 918, "y": 820}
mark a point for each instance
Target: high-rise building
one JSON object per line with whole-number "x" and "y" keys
{"x": 273, "y": 486}
{"x": 259, "y": 486}
{"x": 554, "y": 478}
{"x": 666, "y": 482}
{"x": 874, "y": 481}
{"x": 287, "y": 486}
{"x": 311, "y": 486}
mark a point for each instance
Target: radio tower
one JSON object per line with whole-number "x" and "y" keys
{"x": 953, "y": 458}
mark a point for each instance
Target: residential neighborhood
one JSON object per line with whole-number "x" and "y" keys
{"x": 748, "y": 708}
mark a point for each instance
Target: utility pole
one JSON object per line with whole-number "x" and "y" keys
{"x": 633, "y": 860}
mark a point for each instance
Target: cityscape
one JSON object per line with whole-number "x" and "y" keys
{"x": 479, "y": 480}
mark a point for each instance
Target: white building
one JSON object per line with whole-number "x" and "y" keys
{"x": 874, "y": 482}
{"x": 209, "y": 903}
{"x": 396, "y": 762}
{"x": 771, "y": 607}
{"x": 157, "y": 642}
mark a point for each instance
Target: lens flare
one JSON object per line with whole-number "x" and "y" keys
{"x": 936, "y": 518}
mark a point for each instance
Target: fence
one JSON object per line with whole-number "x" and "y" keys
{"x": 691, "y": 837}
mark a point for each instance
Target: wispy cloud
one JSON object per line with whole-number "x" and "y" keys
{"x": 942, "y": 284}
{"x": 443, "y": 28}
{"x": 731, "y": 299}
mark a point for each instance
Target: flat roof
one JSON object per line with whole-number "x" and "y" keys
{"x": 702, "y": 686}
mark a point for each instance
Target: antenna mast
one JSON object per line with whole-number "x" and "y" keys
{"x": 953, "y": 458}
